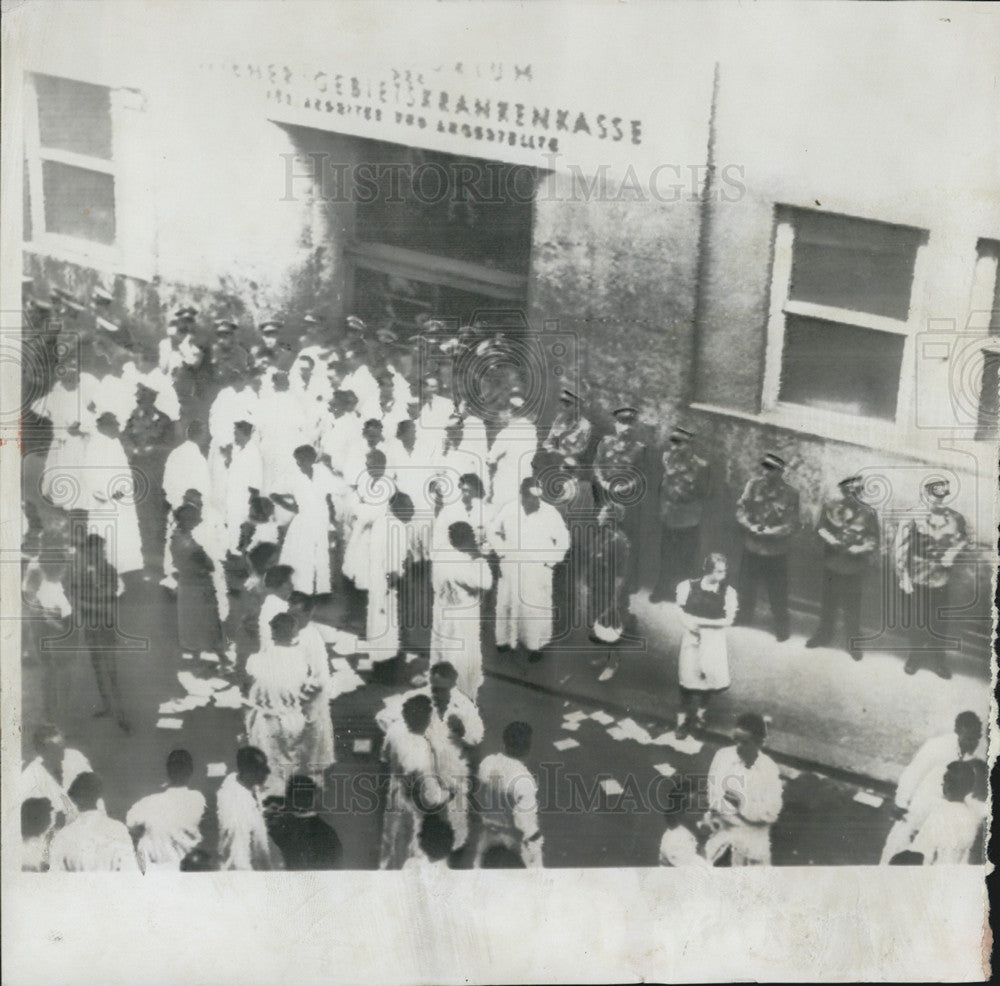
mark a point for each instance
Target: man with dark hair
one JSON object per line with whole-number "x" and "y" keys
{"x": 952, "y": 825}
{"x": 435, "y": 840}
{"x": 744, "y": 797}
{"x": 508, "y": 800}
{"x": 244, "y": 480}
{"x": 167, "y": 825}
{"x": 919, "y": 785}
{"x": 36, "y": 832}
{"x": 278, "y": 589}
{"x": 91, "y": 842}
{"x": 305, "y": 840}
{"x": 52, "y": 772}
{"x": 531, "y": 538}
{"x": 243, "y": 837}
{"x": 318, "y": 742}
{"x": 415, "y": 787}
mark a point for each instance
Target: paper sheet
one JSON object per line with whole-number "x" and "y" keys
{"x": 216, "y": 770}
{"x": 666, "y": 769}
{"x": 566, "y": 744}
{"x": 170, "y": 724}
{"x": 611, "y": 787}
{"x": 602, "y": 717}
{"x": 867, "y": 798}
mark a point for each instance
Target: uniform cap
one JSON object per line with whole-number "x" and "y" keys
{"x": 516, "y": 401}
{"x": 851, "y": 480}
{"x": 225, "y": 325}
{"x": 625, "y": 414}
{"x": 681, "y": 434}
{"x": 938, "y": 486}
{"x": 272, "y": 322}
{"x": 101, "y": 296}
{"x": 568, "y": 397}
{"x": 773, "y": 461}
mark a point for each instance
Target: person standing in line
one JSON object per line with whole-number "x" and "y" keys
{"x": 530, "y": 537}
{"x": 186, "y": 469}
{"x": 415, "y": 788}
{"x": 94, "y": 590}
{"x": 620, "y": 476}
{"x": 244, "y": 477}
{"x": 708, "y": 605}
{"x": 307, "y": 494}
{"x": 926, "y": 550}
{"x": 461, "y": 579}
{"x": 684, "y": 490}
{"x": 147, "y": 438}
{"x": 952, "y": 825}
{"x": 919, "y": 784}
{"x": 607, "y": 569}
{"x": 166, "y": 826}
{"x": 244, "y": 843}
{"x": 510, "y": 456}
{"x": 92, "y": 842}
{"x": 319, "y": 725}
{"x": 850, "y": 533}
{"x": 280, "y": 688}
{"x": 199, "y": 628}
{"x": 744, "y": 798}
{"x": 768, "y": 515}
{"x": 508, "y": 800}
{"x": 278, "y": 589}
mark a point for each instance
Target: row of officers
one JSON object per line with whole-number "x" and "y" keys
{"x": 926, "y": 545}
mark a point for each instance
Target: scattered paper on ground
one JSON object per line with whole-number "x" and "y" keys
{"x": 602, "y": 717}
{"x": 565, "y": 744}
{"x": 365, "y": 664}
{"x": 664, "y": 768}
{"x": 611, "y": 786}
{"x": 867, "y": 798}
{"x": 617, "y": 733}
{"x": 231, "y": 698}
{"x": 690, "y": 745}
{"x": 216, "y": 770}
{"x": 577, "y": 716}
{"x": 170, "y": 724}
{"x": 571, "y": 727}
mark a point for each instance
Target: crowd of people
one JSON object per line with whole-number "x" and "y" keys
{"x": 262, "y": 473}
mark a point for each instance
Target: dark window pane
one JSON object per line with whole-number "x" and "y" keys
{"x": 25, "y": 203}
{"x": 397, "y": 302}
{"x": 855, "y": 264}
{"x": 989, "y": 395}
{"x": 840, "y": 367}
{"x": 462, "y": 208}
{"x": 74, "y": 116}
{"x": 79, "y": 202}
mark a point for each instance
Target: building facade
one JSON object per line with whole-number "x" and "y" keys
{"x": 783, "y": 236}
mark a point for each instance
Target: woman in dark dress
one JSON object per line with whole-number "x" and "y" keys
{"x": 198, "y": 627}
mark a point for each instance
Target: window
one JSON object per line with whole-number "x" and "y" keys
{"x": 986, "y": 302}
{"x": 71, "y": 174}
{"x": 443, "y": 237}
{"x": 841, "y": 302}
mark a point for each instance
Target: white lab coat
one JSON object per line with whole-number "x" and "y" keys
{"x": 529, "y": 545}
{"x": 508, "y": 799}
{"x": 92, "y": 843}
{"x": 171, "y": 826}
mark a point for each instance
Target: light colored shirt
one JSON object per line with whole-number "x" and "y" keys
{"x": 186, "y": 469}
{"x": 170, "y": 822}
{"x": 243, "y": 839}
{"x": 37, "y": 782}
{"x": 93, "y": 843}
{"x": 508, "y": 796}
{"x": 754, "y": 793}
{"x": 948, "y": 834}
{"x": 679, "y": 847}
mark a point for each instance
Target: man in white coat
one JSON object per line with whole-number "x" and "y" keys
{"x": 919, "y": 785}
{"x": 744, "y": 797}
{"x": 508, "y": 800}
{"x": 531, "y": 538}
{"x": 92, "y": 842}
{"x": 510, "y": 457}
{"x": 244, "y": 477}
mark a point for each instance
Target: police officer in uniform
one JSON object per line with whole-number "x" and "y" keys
{"x": 228, "y": 356}
{"x": 926, "y": 549}
{"x": 619, "y": 477}
{"x": 768, "y": 514}
{"x": 683, "y": 491}
{"x": 849, "y": 530}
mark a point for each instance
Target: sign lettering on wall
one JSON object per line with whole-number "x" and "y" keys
{"x": 477, "y": 102}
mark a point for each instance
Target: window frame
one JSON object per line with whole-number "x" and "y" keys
{"x": 132, "y": 252}
{"x": 821, "y": 421}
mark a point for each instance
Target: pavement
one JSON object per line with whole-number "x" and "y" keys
{"x": 823, "y": 736}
